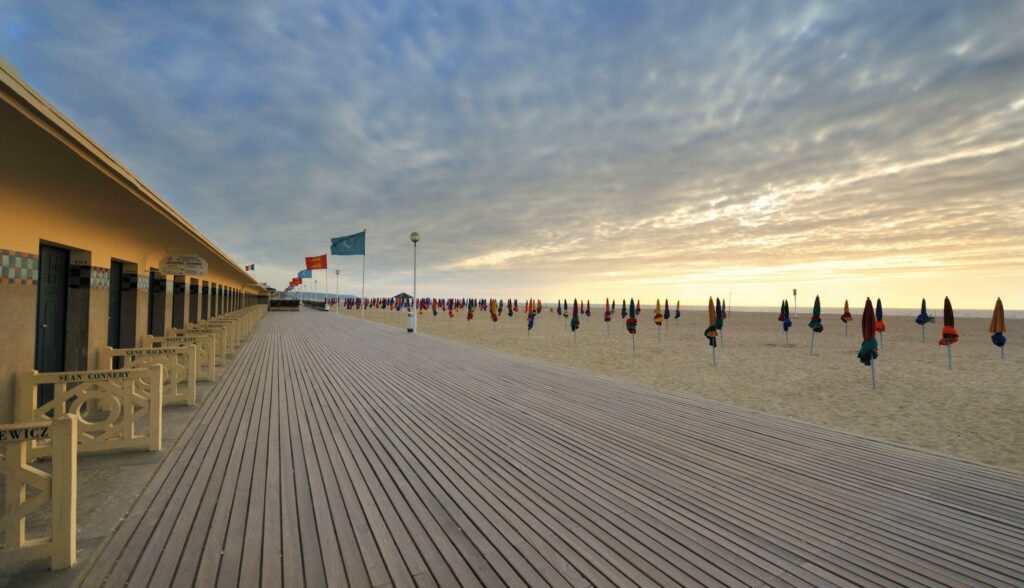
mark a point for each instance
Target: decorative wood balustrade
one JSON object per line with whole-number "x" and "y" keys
{"x": 206, "y": 351}
{"x": 179, "y": 365}
{"x": 116, "y": 409}
{"x": 28, "y": 489}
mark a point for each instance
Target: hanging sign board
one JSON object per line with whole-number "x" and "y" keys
{"x": 183, "y": 265}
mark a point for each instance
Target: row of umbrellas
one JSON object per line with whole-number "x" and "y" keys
{"x": 872, "y": 319}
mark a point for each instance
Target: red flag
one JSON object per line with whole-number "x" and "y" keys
{"x": 318, "y": 262}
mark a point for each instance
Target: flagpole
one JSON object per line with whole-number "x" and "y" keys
{"x": 362, "y": 306}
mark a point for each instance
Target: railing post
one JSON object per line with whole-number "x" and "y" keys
{"x": 156, "y": 407}
{"x": 64, "y": 491}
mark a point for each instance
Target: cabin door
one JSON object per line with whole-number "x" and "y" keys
{"x": 51, "y": 313}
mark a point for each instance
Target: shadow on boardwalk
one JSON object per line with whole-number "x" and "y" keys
{"x": 341, "y": 452}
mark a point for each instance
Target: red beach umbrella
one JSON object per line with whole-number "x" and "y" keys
{"x": 949, "y": 334}
{"x": 869, "y": 347}
{"x": 846, "y": 318}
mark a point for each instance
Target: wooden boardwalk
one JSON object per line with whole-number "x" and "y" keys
{"x": 341, "y": 452}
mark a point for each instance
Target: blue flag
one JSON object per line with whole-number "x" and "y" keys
{"x": 304, "y": 274}
{"x": 350, "y": 244}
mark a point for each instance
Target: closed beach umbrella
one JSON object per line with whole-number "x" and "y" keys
{"x": 997, "y": 326}
{"x": 631, "y": 321}
{"x": 575, "y": 323}
{"x": 815, "y": 324}
{"x": 531, "y": 314}
{"x": 712, "y": 331}
{"x": 720, "y": 319}
{"x": 658, "y": 317}
{"x": 607, "y": 315}
{"x": 923, "y": 318}
{"x": 949, "y": 334}
{"x": 678, "y": 313}
{"x": 846, "y": 318}
{"x": 869, "y": 347}
{"x": 587, "y": 312}
{"x": 879, "y": 323}
{"x": 623, "y": 309}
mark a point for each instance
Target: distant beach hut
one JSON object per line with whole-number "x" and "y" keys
{"x": 949, "y": 334}
{"x": 658, "y": 317}
{"x": 575, "y": 323}
{"x": 631, "y": 322}
{"x": 815, "y": 324}
{"x": 846, "y": 318}
{"x": 997, "y": 326}
{"x": 879, "y": 323}
{"x": 923, "y": 318}
{"x": 712, "y": 331}
{"x": 869, "y": 347}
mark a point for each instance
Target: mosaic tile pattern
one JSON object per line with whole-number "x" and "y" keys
{"x": 18, "y": 268}
{"x": 99, "y": 278}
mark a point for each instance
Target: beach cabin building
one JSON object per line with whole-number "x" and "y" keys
{"x": 82, "y": 241}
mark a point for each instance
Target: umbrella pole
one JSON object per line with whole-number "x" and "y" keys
{"x": 949, "y": 355}
{"x": 574, "y": 337}
{"x": 846, "y": 329}
{"x": 1002, "y": 353}
{"x": 787, "y": 337}
{"x": 634, "y": 343}
{"x": 812, "y": 343}
{"x": 714, "y": 357}
{"x": 659, "y": 332}
{"x": 872, "y": 374}
{"x": 881, "y": 339}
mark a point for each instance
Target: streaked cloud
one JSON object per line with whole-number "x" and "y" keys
{"x": 617, "y": 147}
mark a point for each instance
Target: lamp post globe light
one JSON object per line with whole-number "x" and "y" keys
{"x": 410, "y": 322}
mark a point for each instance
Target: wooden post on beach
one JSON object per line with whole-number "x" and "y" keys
{"x": 872, "y": 374}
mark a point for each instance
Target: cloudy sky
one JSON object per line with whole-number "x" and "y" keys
{"x": 673, "y": 149}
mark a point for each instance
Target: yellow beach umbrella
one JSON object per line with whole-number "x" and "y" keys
{"x": 997, "y": 326}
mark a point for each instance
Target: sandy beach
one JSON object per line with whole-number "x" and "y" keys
{"x": 975, "y": 411}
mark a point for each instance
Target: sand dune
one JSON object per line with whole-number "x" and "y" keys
{"x": 975, "y": 411}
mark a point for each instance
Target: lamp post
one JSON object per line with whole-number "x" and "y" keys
{"x": 410, "y": 323}
{"x": 337, "y": 290}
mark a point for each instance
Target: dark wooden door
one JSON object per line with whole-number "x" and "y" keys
{"x": 114, "y": 309}
{"x": 155, "y": 321}
{"x": 51, "y": 313}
